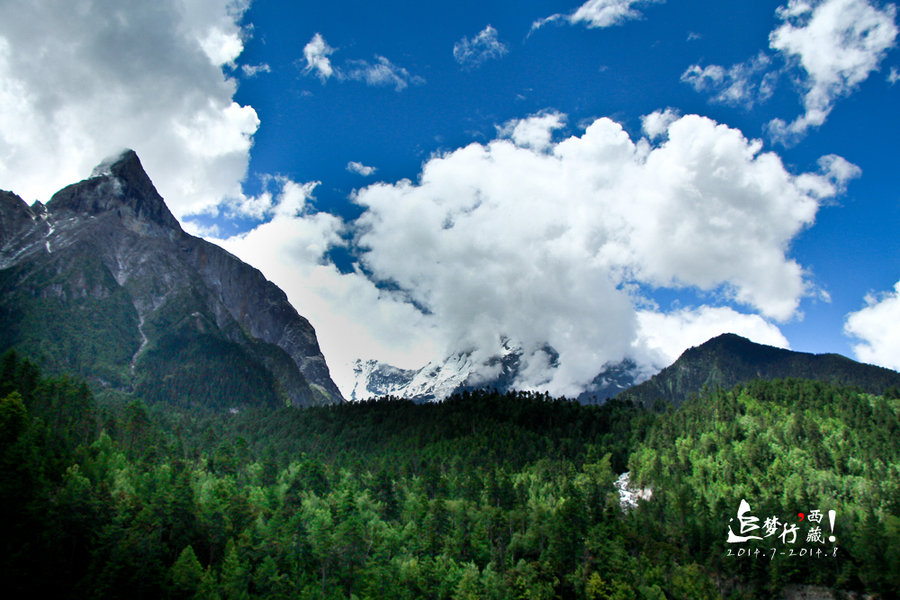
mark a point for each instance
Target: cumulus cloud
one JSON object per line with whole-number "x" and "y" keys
{"x": 656, "y": 124}
{"x": 893, "y": 76}
{"x": 545, "y": 242}
{"x": 666, "y": 335}
{"x": 316, "y": 53}
{"x": 483, "y": 47}
{"x": 360, "y": 169}
{"x": 837, "y": 43}
{"x": 79, "y": 81}
{"x": 599, "y": 13}
{"x": 877, "y": 327}
{"x": 535, "y": 132}
{"x": 743, "y": 84}
{"x": 289, "y": 199}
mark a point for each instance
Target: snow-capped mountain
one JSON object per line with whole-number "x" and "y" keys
{"x": 434, "y": 381}
{"x": 438, "y": 380}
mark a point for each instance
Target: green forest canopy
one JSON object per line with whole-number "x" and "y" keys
{"x": 482, "y": 496}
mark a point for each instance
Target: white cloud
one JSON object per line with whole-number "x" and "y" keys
{"x": 255, "y": 207}
{"x": 743, "y": 84}
{"x": 380, "y": 73}
{"x": 599, "y": 13}
{"x": 837, "y": 43}
{"x": 316, "y": 53}
{"x": 535, "y": 132}
{"x": 656, "y": 124}
{"x": 214, "y": 23}
{"x": 605, "y": 13}
{"x": 483, "y": 47}
{"x": 221, "y": 46}
{"x": 702, "y": 79}
{"x": 360, "y": 169}
{"x": 254, "y": 70}
{"x": 893, "y": 76}
{"x": 544, "y": 242}
{"x": 666, "y": 335}
{"x": 877, "y": 326}
{"x": 839, "y": 171}
{"x": 79, "y": 81}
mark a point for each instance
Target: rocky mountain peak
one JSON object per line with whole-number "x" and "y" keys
{"x": 14, "y": 216}
{"x": 120, "y": 184}
{"x": 104, "y": 283}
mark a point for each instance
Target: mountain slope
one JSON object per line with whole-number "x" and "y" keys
{"x": 729, "y": 359}
{"x": 102, "y": 281}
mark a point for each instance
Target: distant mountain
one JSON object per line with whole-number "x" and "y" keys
{"x": 103, "y": 282}
{"x": 438, "y": 380}
{"x": 434, "y": 382}
{"x": 729, "y": 359}
{"x": 723, "y": 361}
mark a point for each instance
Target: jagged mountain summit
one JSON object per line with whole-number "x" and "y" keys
{"x": 729, "y": 359}
{"x": 103, "y": 282}
{"x": 438, "y": 380}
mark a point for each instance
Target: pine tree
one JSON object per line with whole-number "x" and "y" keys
{"x": 186, "y": 574}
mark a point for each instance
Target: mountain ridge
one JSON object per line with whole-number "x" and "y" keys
{"x": 729, "y": 359}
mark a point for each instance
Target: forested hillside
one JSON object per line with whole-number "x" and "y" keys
{"x": 482, "y": 496}
{"x": 728, "y": 359}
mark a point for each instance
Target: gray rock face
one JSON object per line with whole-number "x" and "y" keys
{"x": 15, "y": 217}
{"x": 112, "y": 240}
{"x": 120, "y": 185}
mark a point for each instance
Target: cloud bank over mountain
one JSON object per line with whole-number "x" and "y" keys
{"x": 550, "y": 241}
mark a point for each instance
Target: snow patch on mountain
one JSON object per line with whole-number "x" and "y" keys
{"x": 434, "y": 381}
{"x": 438, "y": 380}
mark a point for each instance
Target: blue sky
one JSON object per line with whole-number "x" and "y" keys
{"x": 616, "y": 178}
